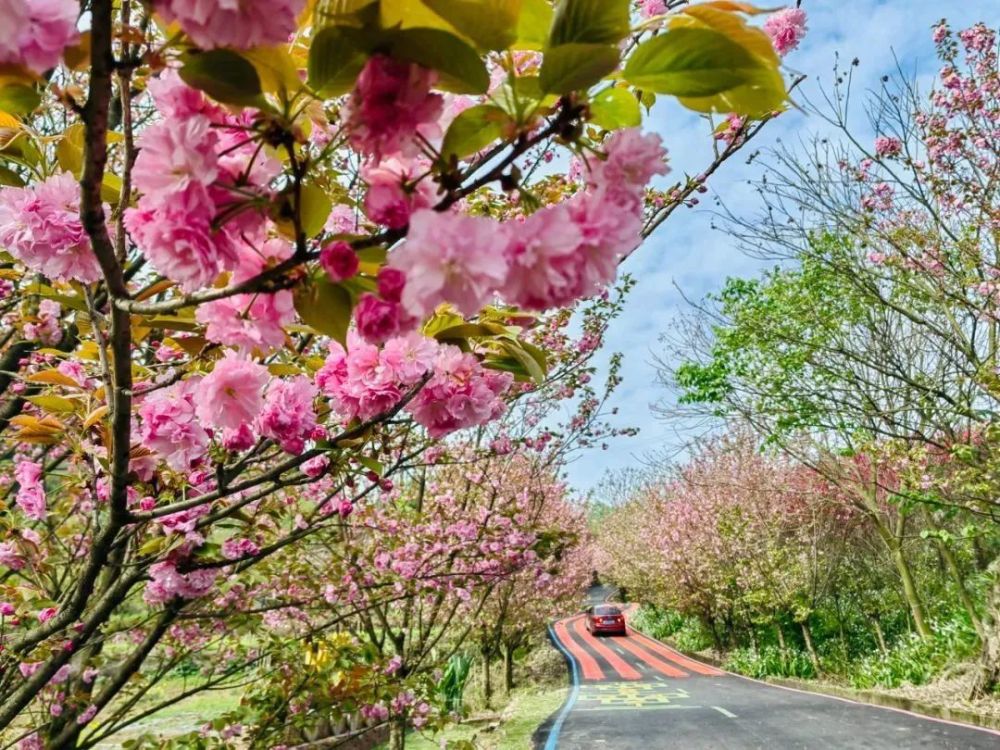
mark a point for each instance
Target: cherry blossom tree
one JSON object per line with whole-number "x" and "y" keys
{"x": 257, "y": 261}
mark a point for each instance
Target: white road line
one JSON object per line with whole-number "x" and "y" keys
{"x": 724, "y": 712}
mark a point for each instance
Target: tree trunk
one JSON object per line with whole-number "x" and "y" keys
{"x": 963, "y": 593}
{"x": 880, "y": 636}
{"x": 910, "y": 592}
{"x": 397, "y": 733}
{"x": 807, "y": 636}
{"x": 508, "y": 667}
{"x": 487, "y": 681}
{"x": 987, "y": 676}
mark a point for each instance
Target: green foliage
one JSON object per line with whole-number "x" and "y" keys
{"x": 770, "y": 661}
{"x": 915, "y": 661}
{"x": 451, "y": 688}
{"x": 473, "y": 130}
{"x": 225, "y": 76}
{"x": 615, "y": 108}
{"x": 583, "y": 43}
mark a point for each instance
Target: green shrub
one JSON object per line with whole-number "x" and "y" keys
{"x": 915, "y": 660}
{"x": 770, "y": 661}
{"x": 658, "y": 623}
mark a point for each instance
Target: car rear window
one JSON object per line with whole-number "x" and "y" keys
{"x": 607, "y": 611}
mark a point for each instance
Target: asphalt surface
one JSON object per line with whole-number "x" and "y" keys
{"x": 634, "y": 693}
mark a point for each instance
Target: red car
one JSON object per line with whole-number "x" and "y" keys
{"x": 605, "y": 618}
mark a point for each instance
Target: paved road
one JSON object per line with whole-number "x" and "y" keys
{"x": 634, "y": 693}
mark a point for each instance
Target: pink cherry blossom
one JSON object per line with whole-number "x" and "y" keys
{"x": 177, "y": 237}
{"x": 46, "y": 326}
{"x": 173, "y": 154}
{"x": 391, "y": 104}
{"x": 786, "y": 28}
{"x": 232, "y": 394}
{"x": 376, "y": 319}
{"x": 391, "y": 282}
{"x": 234, "y": 549}
{"x": 460, "y": 394}
{"x": 288, "y": 416}
{"x": 31, "y": 489}
{"x": 35, "y": 32}
{"x": 177, "y": 101}
{"x": 650, "y": 8}
{"x": 391, "y": 197}
{"x": 887, "y": 146}
{"x": 450, "y": 257}
{"x": 249, "y": 322}
{"x": 233, "y": 23}
{"x": 40, "y": 226}
{"x": 339, "y": 260}
{"x": 408, "y": 358}
{"x": 631, "y": 160}
{"x": 169, "y": 425}
{"x": 167, "y": 583}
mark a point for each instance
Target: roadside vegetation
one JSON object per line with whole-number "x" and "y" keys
{"x": 840, "y": 521}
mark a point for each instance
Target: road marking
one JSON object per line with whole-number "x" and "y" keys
{"x": 588, "y": 665}
{"x": 553, "y": 740}
{"x": 668, "y": 669}
{"x": 674, "y": 656}
{"x": 617, "y": 663}
{"x": 724, "y": 712}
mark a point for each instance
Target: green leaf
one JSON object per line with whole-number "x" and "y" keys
{"x": 19, "y": 98}
{"x": 615, "y": 108}
{"x": 534, "y": 24}
{"x": 474, "y": 129}
{"x": 526, "y": 360}
{"x": 491, "y": 24}
{"x": 461, "y": 69}
{"x": 690, "y": 62}
{"x": 334, "y": 62}
{"x": 590, "y": 22}
{"x": 223, "y": 75}
{"x": 10, "y": 177}
{"x": 325, "y": 306}
{"x": 372, "y": 464}
{"x": 708, "y": 71}
{"x": 315, "y": 209}
{"x": 53, "y": 404}
{"x": 573, "y": 67}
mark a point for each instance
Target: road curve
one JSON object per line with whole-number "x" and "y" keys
{"x": 635, "y": 693}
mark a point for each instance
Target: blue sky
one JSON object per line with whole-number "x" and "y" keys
{"x": 687, "y": 253}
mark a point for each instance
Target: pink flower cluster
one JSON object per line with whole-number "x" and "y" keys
{"x": 363, "y": 382}
{"x": 786, "y": 28}
{"x": 391, "y": 107}
{"x": 551, "y": 258}
{"x": 651, "y": 8}
{"x": 379, "y": 317}
{"x": 35, "y": 32}
{"x": 460, "y": 394}
{"x": 170, "y": 427}
{"x": 288, "y": 417}
{"x": 232, "y": 395}
{"x": 46, "y": 326}
{"x": 395, "y": 192}
{"x": 257, "y": 321}
{"x": 186, "y": 168}
{"x": 233, "y": 23}
{"x": 888, "y": 146}
{"x": 31, "y": 489}
{"x": 40, "y": 226}
{"x": 167, "y": 583}
{"x": 237, "y": 401}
